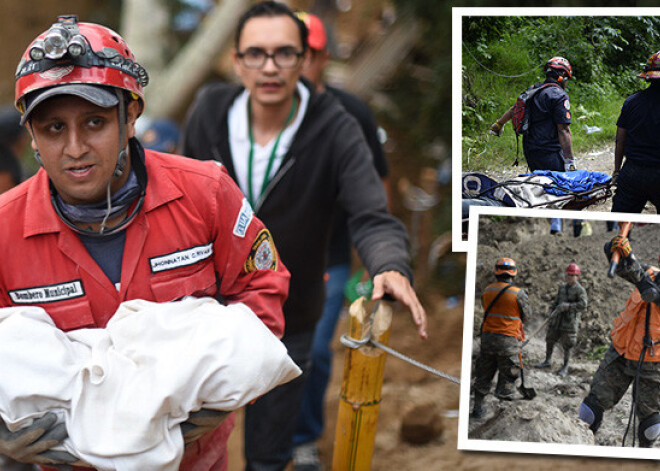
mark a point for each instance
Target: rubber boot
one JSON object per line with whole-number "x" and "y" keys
{"x": 478, "y": 410}
{"x": 564, "y": 369}
{"x": 548, "y": 356}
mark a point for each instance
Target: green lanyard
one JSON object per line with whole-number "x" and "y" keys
{"x": 271, "y": 159}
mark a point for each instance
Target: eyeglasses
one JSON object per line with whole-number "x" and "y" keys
{"x": 284, "y": 57}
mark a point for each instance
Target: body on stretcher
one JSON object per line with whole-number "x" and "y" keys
{"x": 541, "y": 188}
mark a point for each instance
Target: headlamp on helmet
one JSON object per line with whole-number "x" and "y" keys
{"x": 84, "y": 53}
{"x": 62, "y": 38}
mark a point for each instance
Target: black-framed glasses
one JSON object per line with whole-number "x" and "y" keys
{"x": 283, "y": 57}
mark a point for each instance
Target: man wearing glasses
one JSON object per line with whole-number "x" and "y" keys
{"x": 296, "y": 154}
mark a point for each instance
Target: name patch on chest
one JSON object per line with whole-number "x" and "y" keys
{"x": 49, "y": 293}
{"x": 181, "y": 259}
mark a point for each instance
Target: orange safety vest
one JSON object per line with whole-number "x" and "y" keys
{"x": 630, "y": 326}
{"x": 504, "y": 317}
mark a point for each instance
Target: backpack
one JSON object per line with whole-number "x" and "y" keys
{"x": 520, "y": 118}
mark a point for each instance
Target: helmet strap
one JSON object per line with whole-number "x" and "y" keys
{"x": 122, "y": 158}
{"x": 37, "y": 157}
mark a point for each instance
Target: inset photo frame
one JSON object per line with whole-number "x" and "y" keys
{"x": 545, "y": 110}
{"x": 558, "y": 354}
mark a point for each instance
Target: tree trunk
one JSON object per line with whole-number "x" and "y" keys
{"x": 143, "y": 22}
{"x": 380, "y": 60}
{"x": 170, "y": 90}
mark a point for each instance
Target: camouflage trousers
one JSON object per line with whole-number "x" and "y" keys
{"x": 498, "y": 354}
{"x": 567, "y": 339}
{"x": 614, "y": 376}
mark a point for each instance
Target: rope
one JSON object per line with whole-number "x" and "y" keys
{"x": 493, "y": 72}
{"x": 354, "y": 344}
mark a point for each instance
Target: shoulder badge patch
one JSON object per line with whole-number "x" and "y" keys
{"x": 244, "y": 219}
{"x": 262, "y": 254}
{"x": 567, "y": 105}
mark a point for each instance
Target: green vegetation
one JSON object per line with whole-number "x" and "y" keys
{"x": 597, "y": 353}
{"x": 606, "y": 53}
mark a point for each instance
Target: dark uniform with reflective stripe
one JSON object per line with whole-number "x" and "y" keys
{"x": 501, "y": 338}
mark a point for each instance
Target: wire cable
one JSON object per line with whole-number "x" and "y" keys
{"x": 496, "y": 73}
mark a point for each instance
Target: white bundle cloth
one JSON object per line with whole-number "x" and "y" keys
{"x": 530, "y": 192}
{"x": 123, "y": 390}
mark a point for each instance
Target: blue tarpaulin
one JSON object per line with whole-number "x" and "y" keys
{"x": 572, "y": 182}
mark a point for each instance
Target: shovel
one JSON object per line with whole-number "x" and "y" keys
{"x": 533, "y": 334}
{"x": 528, "y": 393}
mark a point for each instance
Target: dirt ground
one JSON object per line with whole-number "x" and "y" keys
{"x": 542, "y": 258}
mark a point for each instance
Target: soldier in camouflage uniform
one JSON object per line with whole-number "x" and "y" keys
{"x": 566, "y": 308}
{"x": 631, "y": 357}
{"x": 506, "y": 307}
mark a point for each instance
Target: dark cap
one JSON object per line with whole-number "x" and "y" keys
{"x": 96, "y": 94}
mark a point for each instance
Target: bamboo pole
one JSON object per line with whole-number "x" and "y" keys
{"x": 357, "y": 418}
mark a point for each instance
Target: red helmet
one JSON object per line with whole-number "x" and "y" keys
{"x": 573, "y": 269}
{"x": 505, "y": 266}
{"x": 77, "y": 53}
{"x": 561, "y": 65}
{"x": 651, "y": 70}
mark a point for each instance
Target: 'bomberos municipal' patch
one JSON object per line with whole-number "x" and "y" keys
{"x": 48, "y": 293}
{"x": 262, "y": 254}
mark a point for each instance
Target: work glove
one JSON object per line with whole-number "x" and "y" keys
{"x": 564, "y": 307}
{"x": 622, "y": 245}
{"x": 496, "y": 129}
{"x": 569, "y": 165}
{"x": 32, "y": 444}
{"x": 200, "y": 423}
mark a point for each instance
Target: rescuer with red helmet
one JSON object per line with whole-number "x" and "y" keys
{"x": 569, "y": 303}
{"x": 547, "y": 143}
{"x": 506, "y": 307}
{"x": 636, "y": 139}
{"x": 105, "y": 221}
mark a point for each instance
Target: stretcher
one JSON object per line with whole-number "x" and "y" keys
{"x": 539, "y": 189}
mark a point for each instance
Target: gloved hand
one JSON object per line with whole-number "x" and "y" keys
{"x": 496, "y": 129}
{"x": 569, "y": 165}
{"x": 615, "y": 177}
{"x": 622, "y": 245}
{"x": 200, "y": 423}
{"x": 32, "y": 444}
{"x": 563, "y": 307}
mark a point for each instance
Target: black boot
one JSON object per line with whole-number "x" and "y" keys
{"x": 478, "y": 410}
{"x": 648, "y": 427}
{"x": 548, "y": 356}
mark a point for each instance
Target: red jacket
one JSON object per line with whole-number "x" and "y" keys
{"x": 193, "y": 236}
